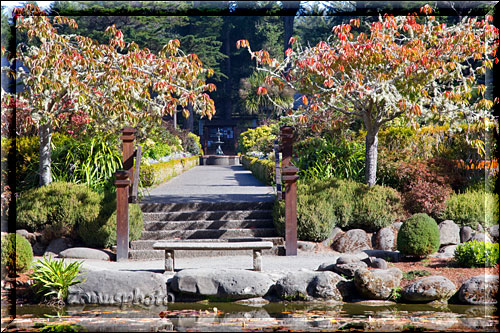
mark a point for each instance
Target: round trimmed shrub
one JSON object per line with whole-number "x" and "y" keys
{"x": 472, "y": 208}
{"x": 101, "y": 232}
{"x": 57, "y": 209}
{"x": 418, "y": 236}
{"x": 17, "y": 254}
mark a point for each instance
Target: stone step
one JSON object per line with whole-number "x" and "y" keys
{"x": 207, "y": 234}
{"x": 160, "y": 254}
{"x": 205, "y": 206}
{"x": 144, "y": 244}
{"x": 221, "y": 224}
{"x": 208, "y": 215}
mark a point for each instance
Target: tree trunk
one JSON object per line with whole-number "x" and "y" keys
{"x": 45, "y": 133}
{"x": 290, "y": 9}
{"x": 228, "y": 86}
{"x": 189, "y": 121}
{"x": 371, "y": 156}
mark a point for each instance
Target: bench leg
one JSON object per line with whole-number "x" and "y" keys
{"x": 169, "y": 260}
{"x": 257, "y": 260}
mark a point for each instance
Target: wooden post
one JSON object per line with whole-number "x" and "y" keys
{"x": 122, "y": 184}
{"x": 128, "y": 138}
{"x": 277, "y": 169}
{"x": 290, "y": 179}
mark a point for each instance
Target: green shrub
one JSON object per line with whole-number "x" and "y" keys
{"x": 418, "y": 236}
{"x": 477, "y": 254}
{"x": 315, "y": 219}
{"x": 157, "y": 173}
{"x": 322, "y": 205}
{"x": 101, "y": 232}
{"x": 16, "y": 254}
{"x": 91, "y": 161}
{"x": 324, "y": 158}
{"x": 27, "y": 159}
{"x": 262, "y": 169}
{"x": 57, "y": 209}
{"x": 258, "y": 139}
{"x": 472, "y": 208}
{"x": 192, "y": 145}
{"x": 156, "y": 150}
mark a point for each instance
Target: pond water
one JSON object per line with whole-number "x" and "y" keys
{"x": 204, "y": 316}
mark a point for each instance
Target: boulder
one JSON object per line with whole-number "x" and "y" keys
{"x": 336, "y": 232}
{"x": 227, "y": 283}
{"x": 493, "y": 232}
{"x": 309, "y": 285}
{"x": 391, "y": 256}
{"x": 306, "y": 246}
{"x": 479, "y": 290}
{"x": 385, "y": 239}
{"x": 56, "y": 246}
{"x": 429, "y": 289}
{"x": 84, "y": 253}
{"x": 449, "y": 233}
{"x": 378, "y": 283}
{"x": 119, "y": 287}
{"x": 397, "y": 225}
{"x": 480, "y": 237}
{"x": 479, "y": 227}
{"x": 447, "y": 251}
{"x": 348, "y": 270}
{"x": 351, "y": 258}
{"x": 378, "y": 263}
{"x": 466, "y": 233}
{"x": 352, "y": 241}
{"x": 31, "y": 237}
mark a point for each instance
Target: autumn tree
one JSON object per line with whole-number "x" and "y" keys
{"x": 111, "y": 83}
{"x": 407, "y": 67}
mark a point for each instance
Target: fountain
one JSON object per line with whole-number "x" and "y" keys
{"x": 219, "y": 158}
{"x": 218, "y": 151}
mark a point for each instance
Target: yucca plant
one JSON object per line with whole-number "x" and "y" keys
{"x": 53, "y": 277}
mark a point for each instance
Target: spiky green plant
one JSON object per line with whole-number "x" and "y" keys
{"x": 53, "y": 277}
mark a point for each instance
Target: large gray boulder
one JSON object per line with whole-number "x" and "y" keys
{"x": 119, "y": 287}
{"x": 309, "y": 285}
{"x": 336, "y": 232}
{"x": 227, "y": 283}
{"x": 385, "y": 239}
{"x": 479, "y": 290}
{"x": 377, "y": 283}
{"x": 480, "y": 237}
{"x": 354, "y": 240}
{"x": 493, "y": 232}
{"x": 57, "y": 246}
{"x": 466, "y": 233}
{"x": 429, "y": 289}
{"x": 449, "y": 233}
{"x": 346, "y": 270}
{"x": 84, "y": 253}
{"x": 31, "y": 237}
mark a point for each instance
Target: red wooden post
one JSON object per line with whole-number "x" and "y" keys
{"x": 290, "y": 179}
{"x": 122, "y": 187}
{"x": 128, "y": 138}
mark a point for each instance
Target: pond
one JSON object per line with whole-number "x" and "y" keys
{"x": 284, "y": 316}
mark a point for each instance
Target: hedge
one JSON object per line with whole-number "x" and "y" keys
{"x": 263, "y": 170}
{"x": 155, "y": 174}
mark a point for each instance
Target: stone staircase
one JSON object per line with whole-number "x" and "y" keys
{"x": 204, "y": 221}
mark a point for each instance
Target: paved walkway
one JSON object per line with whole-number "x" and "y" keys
{"x": 211, "y": 183}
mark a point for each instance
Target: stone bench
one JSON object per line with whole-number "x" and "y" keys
{"x": 170, "y": 247}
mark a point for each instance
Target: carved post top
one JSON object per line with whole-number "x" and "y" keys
{"x": 290, "y": 174}
{"x": 122, "y": 178}
{"x": 128, "y": 134}
{"x": 287, "y": 134}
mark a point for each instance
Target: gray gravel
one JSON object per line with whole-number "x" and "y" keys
{"x": 210, "y": 183}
